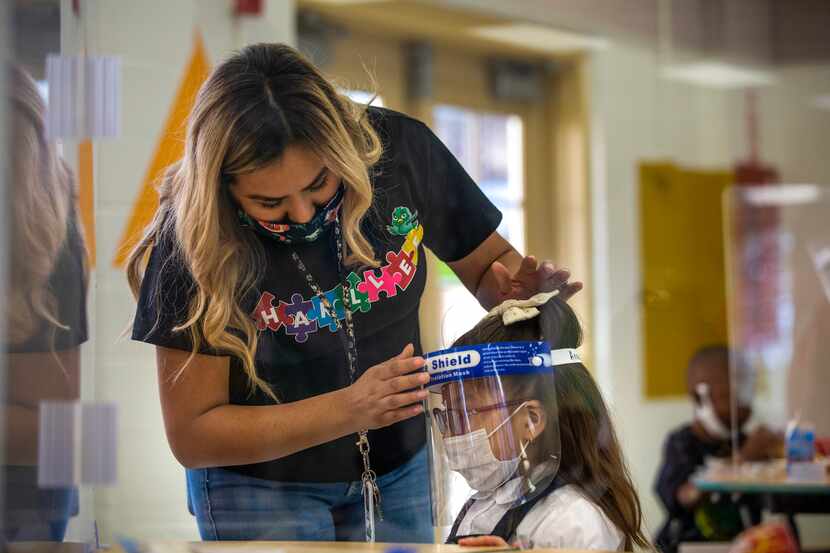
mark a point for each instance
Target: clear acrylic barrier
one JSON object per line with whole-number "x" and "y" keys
{"x": 778, "y": 290}
{"x": 484, "y": 401}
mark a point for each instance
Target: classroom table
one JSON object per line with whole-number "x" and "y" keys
{"x": 779, "y": 494}
{"x": 321, "y": 547}
{"x": 261, "y": 547}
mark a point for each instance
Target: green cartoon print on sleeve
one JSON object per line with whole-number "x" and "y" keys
{"x": 403, "y": 221}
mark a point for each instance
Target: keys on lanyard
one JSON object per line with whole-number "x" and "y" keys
{"x": 371, "y": 492}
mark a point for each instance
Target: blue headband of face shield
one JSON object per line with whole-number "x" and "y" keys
{"x": 495, "y": 359}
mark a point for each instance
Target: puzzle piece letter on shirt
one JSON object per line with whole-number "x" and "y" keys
{"x": 304, "y": 318}
{"x": 324, "y": 316}
{"x": 268, "y": 316}
{"x": 373, "y": 285}
{"x": 400, "y": 268}
{"x": 413, "y": 240}
{"x": 358, "y": 301}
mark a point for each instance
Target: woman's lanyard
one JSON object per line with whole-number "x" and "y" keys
{"x": 371, "y": 492}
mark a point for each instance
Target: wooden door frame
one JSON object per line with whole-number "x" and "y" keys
{"x": 556, "y": 167}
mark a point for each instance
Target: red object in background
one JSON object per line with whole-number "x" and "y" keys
{"x": 823, "y": 446}
{"x": 772, "y": 537}
{"x": 247, "y": 7}
{"x": 760, "y": 265}
{"x": 755, "y": 173}
{"x": 756, "y": 227}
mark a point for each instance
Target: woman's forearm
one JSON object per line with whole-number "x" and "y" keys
{"x": 229, "y": 435}
{"x": 489, "y": 292}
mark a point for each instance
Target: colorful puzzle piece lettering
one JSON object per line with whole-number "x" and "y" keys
{"x": 358, "y": 301}
{"x": 413, "y": 240}
{"x": 304, "y": 321}
{"x": 401, "y": 268}
{"x": 268, "y": 316}
{"x": 324, "y": 316}
{"x": 373, "y": 285}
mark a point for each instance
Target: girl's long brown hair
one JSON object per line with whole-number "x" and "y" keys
{"x": 591, "y": 456}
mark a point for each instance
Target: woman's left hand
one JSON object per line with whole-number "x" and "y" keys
{"x": 532, "y": 278}
{"x": 483, "y": 541}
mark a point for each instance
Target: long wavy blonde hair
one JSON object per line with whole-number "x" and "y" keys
{"x": 254, "y": 105}
{"x": 42, "y": 194}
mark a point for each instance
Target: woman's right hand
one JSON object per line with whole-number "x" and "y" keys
{"x": 389, "y": 392}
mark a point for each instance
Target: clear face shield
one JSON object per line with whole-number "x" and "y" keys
{"x": 492, "y": 424}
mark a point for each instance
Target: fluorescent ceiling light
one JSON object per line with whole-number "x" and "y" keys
{"x": 794, "y": 194}
{"x": 538, "y": 37}
{"x": 718, "y": 75}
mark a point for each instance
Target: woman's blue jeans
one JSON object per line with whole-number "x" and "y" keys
{"x": 231, "y": 506}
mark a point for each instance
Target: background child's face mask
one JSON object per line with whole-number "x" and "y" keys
{"x": 706, "y": 415}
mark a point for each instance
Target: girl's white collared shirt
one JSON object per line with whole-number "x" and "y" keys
{"x": 563, "y": 519}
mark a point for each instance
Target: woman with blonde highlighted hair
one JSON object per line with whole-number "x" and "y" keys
{"x": 280, "y": 281}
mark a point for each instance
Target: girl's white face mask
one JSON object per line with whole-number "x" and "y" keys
{"x": 472, "y": 457}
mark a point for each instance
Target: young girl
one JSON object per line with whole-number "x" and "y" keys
{"x": 591, "y": 503}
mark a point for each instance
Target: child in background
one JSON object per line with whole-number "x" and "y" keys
{"x": 694, "y": 516}
{"x": 592, "y": 503}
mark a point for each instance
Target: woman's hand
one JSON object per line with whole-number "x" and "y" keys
{"x": 483, "y": 541}
{"x": 532, "y": 278}
{"x": 495, "y": 272}
{"x": 388, "y": 393}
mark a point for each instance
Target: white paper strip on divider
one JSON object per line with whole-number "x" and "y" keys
{"x": 57, "y": 444}
{"x": 63, "y": 75}
{"x": 84, "y": 97}
{"x": 99, "y": 465}
{"x": 103, "y": 96}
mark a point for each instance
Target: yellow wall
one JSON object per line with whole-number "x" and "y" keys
{"x": 684, "y": 298}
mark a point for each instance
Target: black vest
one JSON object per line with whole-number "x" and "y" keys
{"x": 509, "y": 523}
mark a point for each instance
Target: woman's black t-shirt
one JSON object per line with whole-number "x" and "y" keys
{"x": 67, "y": 283}
{"x": 422, "y": 197}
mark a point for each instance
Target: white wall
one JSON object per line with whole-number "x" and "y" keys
{"x": 634, "y": 117}
{"x": 795, "y": 134}
{"x": 154, "y": 39}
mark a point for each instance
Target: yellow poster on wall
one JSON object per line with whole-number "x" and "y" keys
{"x": 169, "y": 149}
{"x": 682, "y": 262}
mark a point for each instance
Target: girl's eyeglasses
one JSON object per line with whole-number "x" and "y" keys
{"x": 456, "y": 420}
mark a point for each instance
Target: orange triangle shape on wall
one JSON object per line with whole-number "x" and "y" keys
{"x": 86, "y": 197}
{"x": 170, "y": 149}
